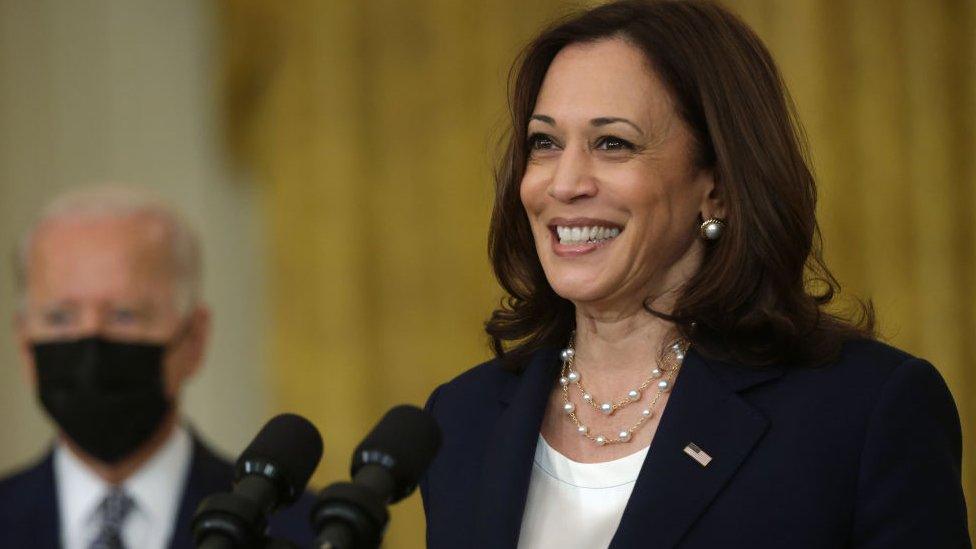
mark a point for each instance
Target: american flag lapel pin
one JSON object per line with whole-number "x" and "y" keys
{"x": 698, "y": 454}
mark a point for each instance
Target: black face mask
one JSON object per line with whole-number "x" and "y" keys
{"x": 107, "y": 396}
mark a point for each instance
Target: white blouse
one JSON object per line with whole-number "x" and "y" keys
{"x": 576, "y": 505}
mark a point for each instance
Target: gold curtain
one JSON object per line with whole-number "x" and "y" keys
{"x": 370, "y": 128}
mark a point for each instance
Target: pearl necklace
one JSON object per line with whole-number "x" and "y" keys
{"x": 664, "y": 373}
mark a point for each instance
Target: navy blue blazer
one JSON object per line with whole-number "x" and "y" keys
{"x": 864, "y": 453}
{"x": 29, "y": 514}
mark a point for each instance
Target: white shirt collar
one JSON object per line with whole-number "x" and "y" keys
{"x": 156, "y": 488}
{"x": 80, "y": 491}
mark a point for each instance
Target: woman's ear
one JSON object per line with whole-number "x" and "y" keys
{"x": 713, "y": 195}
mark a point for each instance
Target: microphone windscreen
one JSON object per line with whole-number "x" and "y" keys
{"x": 287, "y": 450}
{"x": 405, "y": 441}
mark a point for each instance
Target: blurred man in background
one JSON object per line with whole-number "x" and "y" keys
{"x": 111, "y": 327}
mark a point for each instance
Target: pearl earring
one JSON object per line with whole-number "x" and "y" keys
{"x": 712, "y": 228}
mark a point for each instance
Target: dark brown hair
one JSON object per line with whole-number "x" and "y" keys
{"x": 760, "y": 294}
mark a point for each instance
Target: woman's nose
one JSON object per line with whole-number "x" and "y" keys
{"x": 573, "y": 177}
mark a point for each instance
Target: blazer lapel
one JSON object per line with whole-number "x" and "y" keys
{"x": 509, "y": 456}
{"x": 673, "y": 489}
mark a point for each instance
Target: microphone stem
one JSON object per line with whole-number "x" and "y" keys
{"x": 376, "y": 478}
{"x": 260, "y": 490}
{"x": 336, "y": 535}
{"x": 216, "y": 541}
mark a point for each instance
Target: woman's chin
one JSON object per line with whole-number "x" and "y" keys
{"x": 583, "y": 291}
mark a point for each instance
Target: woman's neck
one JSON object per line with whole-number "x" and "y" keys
{"x": 619, "y": 344}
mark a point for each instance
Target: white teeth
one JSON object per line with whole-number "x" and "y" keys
{"x": 580, "y": 235}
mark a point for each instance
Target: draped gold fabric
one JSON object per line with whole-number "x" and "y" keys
{"x": 370, "y": 128}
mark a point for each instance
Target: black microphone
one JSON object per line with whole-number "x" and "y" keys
{"x": 271, "y": 473}
{"x": 385, "y": 469}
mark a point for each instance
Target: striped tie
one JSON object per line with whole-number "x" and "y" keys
{"x": 113, "y": 510}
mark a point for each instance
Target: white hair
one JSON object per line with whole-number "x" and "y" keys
{"x": 113, "y": 202}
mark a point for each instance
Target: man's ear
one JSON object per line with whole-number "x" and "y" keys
{"x": 197, "y": 338}
{"x": 23, "y": 342}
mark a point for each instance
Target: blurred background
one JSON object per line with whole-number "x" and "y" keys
{"x": 336, "y": 157}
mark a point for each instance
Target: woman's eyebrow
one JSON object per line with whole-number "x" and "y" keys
{"x": 603, "y": 121}
{"x": 596, "y": 122}
{"x": 543, "y": 118}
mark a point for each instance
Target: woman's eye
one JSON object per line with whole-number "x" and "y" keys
{"x": 611, "y": 143}
{"x": 540, "y": 142}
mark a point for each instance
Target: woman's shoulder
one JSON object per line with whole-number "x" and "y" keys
{"x": 873, "y": 362}
{"x": 479, "y": 378}
{"x": 873, "y": 352}
{"x": 858, "y": 384}
{"x": 864, "y": 367}
{"x": 467, "y": 406}
{"x": 483, "y": 385}
{"x": 475, "y": 384}
{"x": 870, "y": 376}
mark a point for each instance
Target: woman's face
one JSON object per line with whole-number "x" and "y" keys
{"x": 610, "y": 188}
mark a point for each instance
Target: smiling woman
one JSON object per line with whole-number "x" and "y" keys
{"x": 710, "y": 143}
{"x": 666, "y": 372}
{"x": 592, "y": 167}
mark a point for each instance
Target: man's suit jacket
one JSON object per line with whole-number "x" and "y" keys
{"x": 863, "y": 453}
{"x": 29, "y": 515}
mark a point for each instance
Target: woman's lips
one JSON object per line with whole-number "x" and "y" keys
{"x": 577, "y": 237}
{"x": 575, "y": 250}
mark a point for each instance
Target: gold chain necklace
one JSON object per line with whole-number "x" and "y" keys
{"x": 663, "y": 373}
